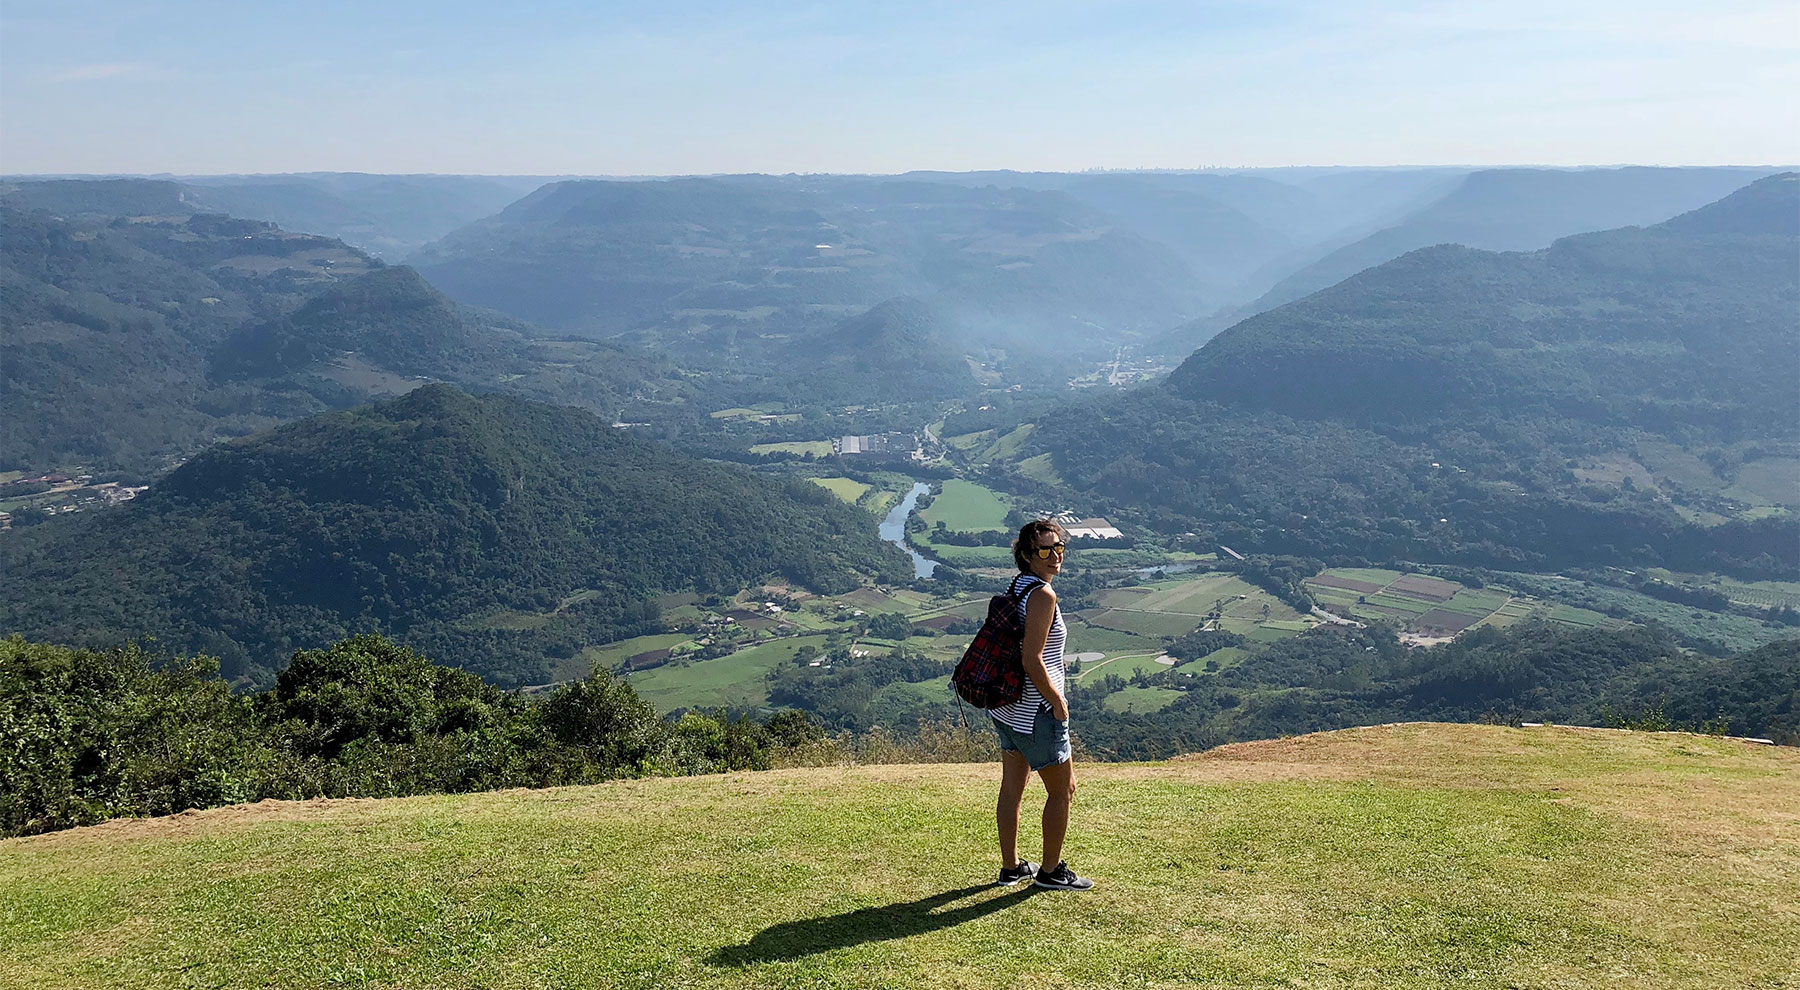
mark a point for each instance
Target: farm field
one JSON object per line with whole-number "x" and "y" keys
{"x": 1176, "y": 606}
{"x": 966, "y": 507}
{"x": 732, "y": 680}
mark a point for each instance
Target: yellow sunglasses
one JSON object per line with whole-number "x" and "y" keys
{"x": 1043, "y": 553}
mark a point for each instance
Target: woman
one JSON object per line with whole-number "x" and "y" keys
{"x": 1034, "y": 731}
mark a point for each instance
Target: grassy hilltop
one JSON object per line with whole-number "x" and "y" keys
{"x": 1417, "y": 855}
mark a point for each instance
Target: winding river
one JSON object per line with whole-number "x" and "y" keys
{"x": 893, "y": 529}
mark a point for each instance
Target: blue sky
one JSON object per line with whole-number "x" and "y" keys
{"x": 695, "y": 87}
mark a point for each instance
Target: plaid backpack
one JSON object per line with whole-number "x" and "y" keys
{"x": 992, "y": 671}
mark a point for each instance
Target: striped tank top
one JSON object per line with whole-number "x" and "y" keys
{"x": 1018, "y": 715}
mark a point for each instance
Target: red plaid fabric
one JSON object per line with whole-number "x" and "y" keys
{"x": 992, "y": 671}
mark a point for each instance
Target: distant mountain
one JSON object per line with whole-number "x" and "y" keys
{"x": 1521, "y": 210}
{"x": 1687, "y": 325}
{"x": 1457, "y": 404}
{"x": 899, "y": 351}
{"x": 494, "y": 533}
{"x": 109, "y": 324}
{"x": 689, "y": 259}
{"x": 132, "y": 340}
{"x": 389, "y": 216}
{"x": 385, "y": 215}
{"x": 390, "y": 317}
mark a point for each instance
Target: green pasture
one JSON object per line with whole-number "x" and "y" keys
{"x": 1373, "y": 575}
{"x": 612, "y": 654}
{"x": 1084, "y": 638}
{"x": 1007, "y": 447}
{"x": 1040, "y": 468}
{"x": 903, "y": 694}
{"x": 966, "y": 507}
{"x": 1151, "y": 624}
{"x": 969, "y": 441}
{"x": 1225, "y": 657}
{"x": 817, "y": 448}
{"x": 1473, "y": 601}
{"x": 971, "y": 556}
{"x": 731, "y": 680}
{"x": 1570, "y": 615}
{"x": 1772, "y": 480}
{"x": 1137, "y": 700}
{"x": 1401, "y": 603}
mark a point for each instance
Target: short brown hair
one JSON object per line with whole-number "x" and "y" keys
{"x": 1027, "y": 540}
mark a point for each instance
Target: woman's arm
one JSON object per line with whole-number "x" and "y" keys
{"x": 1040, "y": 615}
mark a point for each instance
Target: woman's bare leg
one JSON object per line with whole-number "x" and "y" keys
{"x": 1059, "y": 788}
{"x": 1014, "y": 773}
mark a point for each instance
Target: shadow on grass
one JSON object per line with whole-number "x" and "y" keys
{"x": 793, "y": 939}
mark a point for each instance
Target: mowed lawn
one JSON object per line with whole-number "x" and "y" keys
{"x": 730, "y": 680}
{"x": 1413, "y": 856}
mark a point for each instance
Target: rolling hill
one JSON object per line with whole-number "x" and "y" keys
{"x": 385, "y": 215}
{"x": 673, "y": 259}
{"x": 493, "y": 532}
{"x": 134, "y": 339}
{"x": 1520, "y": 210}
{"x": 1459, "y": 404}
{"x": 1400, "y": 856}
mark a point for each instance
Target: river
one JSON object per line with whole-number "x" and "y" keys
{"x": 893, "y": 529}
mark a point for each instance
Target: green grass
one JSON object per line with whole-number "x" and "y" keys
{"x": 1007, "y": 447}
{"x": 1401, "y": 603}
{"x": 1136, "y": 699}
{"x": 612, "y": 654}
{"x": 966, "y": 507}
{"x": 731, "y": 680}
{"x": 968, "y": 441}
{"x": 1226, "y": 656}
{"x": 848, "y": 489}
{"x": 1123, "y": 664}
{"x": 1404, "y": 857}
{"x": 1569, "y": 615}
{"x": 1373, "y": 575}
{"x": 1084, "y": 638}
{"x": 972, "y": 556}
{"x": 1040, "y": 468}
{"x": 1151, "y": 624}
{"x": 818, "y": 448}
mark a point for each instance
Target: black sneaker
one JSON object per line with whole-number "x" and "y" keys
{"x": 1024, "y": 871}
{"x": 1063, "y": 878}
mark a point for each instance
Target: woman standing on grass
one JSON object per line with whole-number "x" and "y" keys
{"x": 1034, "y": 731}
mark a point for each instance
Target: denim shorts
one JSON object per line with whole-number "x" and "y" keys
{"x": 1046, "y": 745}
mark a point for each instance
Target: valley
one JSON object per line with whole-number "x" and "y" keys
{"x": 1400, "y": 466}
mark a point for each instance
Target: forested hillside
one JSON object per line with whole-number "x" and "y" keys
{"x": 700, "y": 258}
{"x": 1495, "y": 408}
{"x": 494, "y": 533}
{"x": 1520, "y": 210}
{"x": 134, "y": 339}
{"x": 385, "y": 215}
